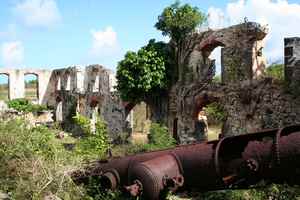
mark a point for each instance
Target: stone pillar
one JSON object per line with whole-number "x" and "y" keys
{"x": 16, "y": 84}
{"x": 292, "y": 61}
{"x": 43, "y": 83}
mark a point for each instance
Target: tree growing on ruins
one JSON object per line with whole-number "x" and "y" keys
{"x": 156, "y": 66}
{"x": 179, "y": 22}
{"x": 141, "y": 73}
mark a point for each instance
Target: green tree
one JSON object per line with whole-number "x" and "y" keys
{"x": 179, "y": 21}
{"x": 140, "y": 74}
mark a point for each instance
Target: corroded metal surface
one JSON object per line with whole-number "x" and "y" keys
{"x": 234, "y": 162}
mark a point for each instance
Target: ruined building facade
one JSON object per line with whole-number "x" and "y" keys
{"x": 251, "y": 100}
{"x": 86, "y": 90}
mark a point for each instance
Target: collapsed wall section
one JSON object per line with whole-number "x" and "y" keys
{"x": 90, "y": 92}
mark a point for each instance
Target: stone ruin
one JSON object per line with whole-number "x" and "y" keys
{"x": 88, "y": 91}
{"x": 251, "y": 100}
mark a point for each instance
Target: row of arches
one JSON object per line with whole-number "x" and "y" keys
{"x": 30, "y": 83}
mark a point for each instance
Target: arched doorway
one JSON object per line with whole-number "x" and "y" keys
{"x": 138, "y": 121}
{"x": 31, "y": 87}
{"x": 4, "y": 87}
{"x": 209, "y": 112}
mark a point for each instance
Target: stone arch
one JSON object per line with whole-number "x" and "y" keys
{"x": 138, "y": 120}
{"x": 4, "y": 86}
{"x": 208, "y": 45}
{"x": 31, "y": 84}
{"x": 204, "y": 102}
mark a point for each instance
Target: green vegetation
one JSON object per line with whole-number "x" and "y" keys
{"x": 160, "y": 137}
{"x": 31, "y": 89}
{"x": 273, "y": 191}
{"x": 217, "y": 79}
{"x": 215, "y": 113}
{"x": 34, "y": 163}
{"x": 140, "y": 74}
{"x": 276, "y": 71}
{"x": 154, "y": 67}
{"x": 4, "y": 92}
{"x": 24, "y": 105}
{"x": 94, "y": 143}
{"x": 178, "y": 21}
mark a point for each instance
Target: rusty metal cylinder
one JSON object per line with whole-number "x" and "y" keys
{"x": 232, "y": 161}
{"x": 110, "y": 179}
{"x": 154, "y": 176}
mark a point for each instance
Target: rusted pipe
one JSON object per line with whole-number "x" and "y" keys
{"x": 236, "y": 161}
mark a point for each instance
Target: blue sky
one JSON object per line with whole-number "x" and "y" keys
{"x": 58, "y": 33}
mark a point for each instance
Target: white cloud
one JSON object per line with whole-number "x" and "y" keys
{"x": 12, "y": 53}
{"x": 40, "y": 13}
{"x": 281, "y": 16}
{"x": 216, "y": 18}
{"x": 104, "y": 42}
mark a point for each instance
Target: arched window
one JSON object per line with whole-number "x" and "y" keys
{"x": 209, "y": 116}
{"x": 4, "y": 87}
{"x": 216, "y": 56}
{"x": 31, "y": 87}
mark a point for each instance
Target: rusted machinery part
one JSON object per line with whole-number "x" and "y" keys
{"x": 155, "y": 176}
{"x": 110, "y": 179}
{"x": 250, "y": 155}
{"x": 282, "y": 132}
{"x": 231, "y": 160}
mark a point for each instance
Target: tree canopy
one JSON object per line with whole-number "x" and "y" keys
{"x": 178, "y": 21}
{"x": 155, "y": 66}
{"x": 141, "y": 73}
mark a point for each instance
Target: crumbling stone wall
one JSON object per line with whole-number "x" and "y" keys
{"x": 16, "y": 81}
{"x": 292, "y": 62}
{"x": 242, "y": 61}
{"x": 88, "y": 91}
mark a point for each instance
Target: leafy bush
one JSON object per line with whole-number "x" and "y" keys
{"x": 160, "y": 137}
{"x": 24, "y": 105}
{"x": 140, "y": 73}
{"x": 215, "y": 113}
{"x": 272, "y": 192}
{"x": 95, "y": 143}
{"x": 34, "y": 164}
{"x": 276, "y": 71}
{"x": 84, "y": 123}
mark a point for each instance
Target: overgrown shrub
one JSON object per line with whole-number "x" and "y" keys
{"x": 24, "y": 105}
{"x": 271, "y": 192}
{"x": 34, "y": 164}
{"x": 160, "y": 137}
{"x": 215, "y": 113}
{"x": 276, "y": 71}
{"x": 94, "y": 143}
